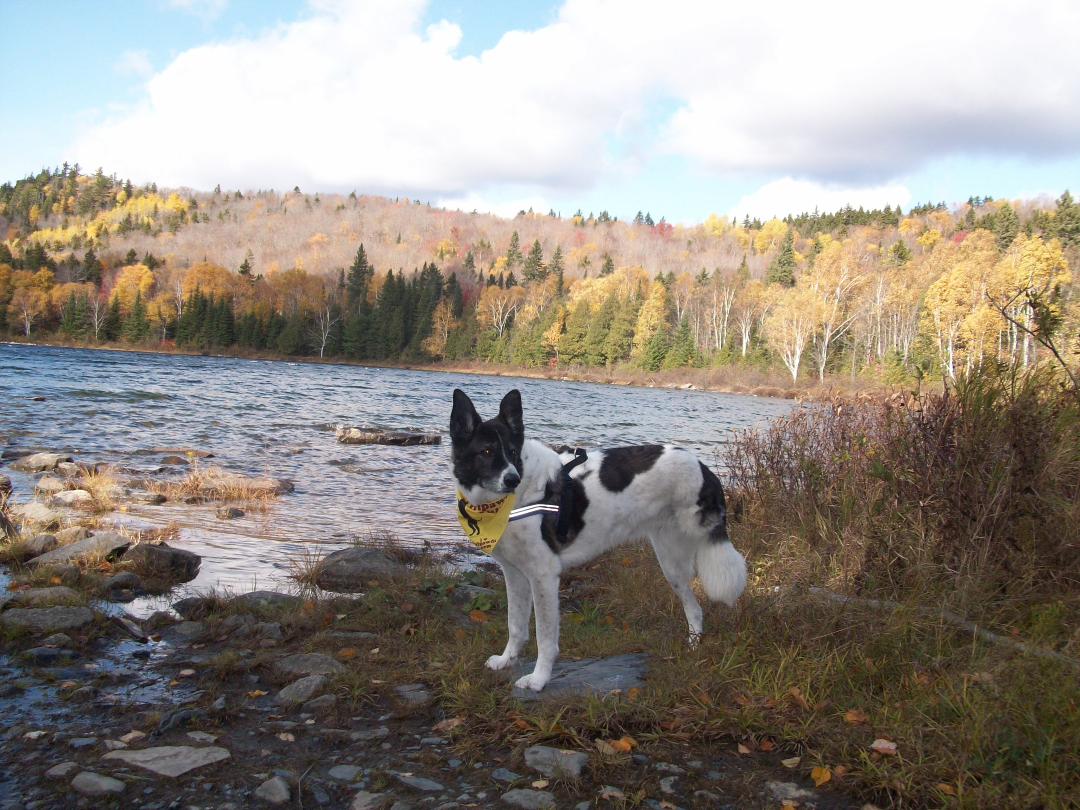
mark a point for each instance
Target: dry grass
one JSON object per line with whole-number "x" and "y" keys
{"x": 211, "y": 483}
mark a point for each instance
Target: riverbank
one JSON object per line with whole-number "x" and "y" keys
{"x": 729, "y": 379}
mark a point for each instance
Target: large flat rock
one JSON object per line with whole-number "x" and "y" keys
{"x": 50, "y": 619}
{"x": 106, "y": 544}
{"x": 303, "y": 664}
{"x": 175, "y": 563}
{"x": 350, "y": 569}
{"x": 394, "y": 438}
{"x": 596, "y": 675}
{"x": 35, "y": 512}
{"x": 39, "y": 462}
{"x": 171, "y": 760}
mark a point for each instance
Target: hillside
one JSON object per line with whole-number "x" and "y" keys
{"x": 885, "y": 294}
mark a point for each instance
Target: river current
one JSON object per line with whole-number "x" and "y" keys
{"x": 278, "y": 418}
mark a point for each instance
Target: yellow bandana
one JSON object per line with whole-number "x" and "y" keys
{"x": 485, "y": 523}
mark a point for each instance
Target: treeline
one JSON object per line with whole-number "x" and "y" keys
{"x": 931, "y": 292}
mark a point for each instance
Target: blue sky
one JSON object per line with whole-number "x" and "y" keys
{"x": 594, "y": 104}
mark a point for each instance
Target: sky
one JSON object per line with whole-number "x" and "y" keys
{"x": 679, "y": 109}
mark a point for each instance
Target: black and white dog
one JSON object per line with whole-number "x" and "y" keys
{"x": 626, "y": 493}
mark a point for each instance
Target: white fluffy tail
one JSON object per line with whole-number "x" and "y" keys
{"x": 722, "y": 571}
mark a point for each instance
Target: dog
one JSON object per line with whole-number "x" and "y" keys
{"x": 658, "y": 492}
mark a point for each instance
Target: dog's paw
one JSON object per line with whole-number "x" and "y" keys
{"x": 497, "y": 662}
{"x": 533, "y": 681}
{"x": 694, "y": 641}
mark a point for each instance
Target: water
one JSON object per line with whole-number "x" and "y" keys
{"x": 278, "y": 419}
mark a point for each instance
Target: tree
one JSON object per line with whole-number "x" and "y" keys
{"x": 599, "y": 328}
{"x": 576, "y": 327}
{"x": 832, "y": 283}
{"x": 534, "y": 269}
{"x": 356, "y": 284}
{"x": 683, "y": 349}
{"x": 28, "y": 305}
{"x": 556, "y": 268}
{"x": 782, "y": 268}
{"x": 442, "y": 322}
{"x": 92, "y": 268}
{"x": 136, "y": 325}
{"x": 497, "y": 306}
{"x": 513, "y": 252}
{"x": 607, "y": 265}
{"x": 1006, "y": 227}
{"x": 790, "y": 326}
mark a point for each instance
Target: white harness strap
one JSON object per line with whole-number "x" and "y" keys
{"x": 534, "y": 509}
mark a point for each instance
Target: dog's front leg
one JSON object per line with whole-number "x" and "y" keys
{"x": 519, "y": 610}
{"x": 545, "y": 594}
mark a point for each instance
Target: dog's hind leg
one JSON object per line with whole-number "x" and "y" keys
{"x": 545, "y": 593}
{"x": 676, "y": 558}
{"x": 519, "y": 610}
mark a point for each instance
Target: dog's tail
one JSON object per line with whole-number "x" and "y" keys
{"x": 722, "y": 571}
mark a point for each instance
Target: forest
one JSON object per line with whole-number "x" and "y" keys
{"x": 936, "y": 292}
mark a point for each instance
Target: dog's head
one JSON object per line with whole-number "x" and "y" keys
{"x": 487, "y": 455}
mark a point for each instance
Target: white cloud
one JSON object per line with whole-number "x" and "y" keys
{"x": 361, "y": 94}
{"x": 475, "y": 202}
{"x": 788, "y": 196}
{"x": 134, "y": 62}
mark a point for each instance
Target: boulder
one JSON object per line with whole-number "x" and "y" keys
{"x": 62, "y": 771}
{"x": 39, "y": 544}
{"x": 68, "y": 469}
{"x": 5, "y": 485}
{"x": 39, "y": 462}
{"x": 36, "y": 597}
{"x": 170, "y": 760}
{"x": 301, "y": 691}
{"x": 107, "y": 544}
{"x": 554, "y": 762}
{"x": 301, "y": 665}
{"x": 194, "y": 608}
{"x": 345, "y": 773}
{"x": 596, "y": 675}
{"x": 350, "y": 569}
{"x": 229, "y": 513}
{"x": 95, "y": 785}
{"x": 529, "y": 799}
{"x": 67, "y": 574}
{"x": 463, "y": 594}
{"x": 72, "y": 498}
{"x": 265, "y": 599}
{"x": 178, "y": 565}
{"x": 395, "y": 438}
{"x": 35, "y": 512}
{"x": 244, "y": 486}
{"x": 47, "y": 656}
{"x": 72, "y": 534}
{"x": 48, "y": 485}
{"x": 125, "y": 579}
{"x": 184, "y": 632}
{"x": 174, "y": 459}
{"x": 274, "y": 791}
{"x": 415, "y": 693}
{"x": 47, "y": 620}
{"x": 320, "y": 705}
{"x": 362, "y": 800}
{"x": 150, "y": 498}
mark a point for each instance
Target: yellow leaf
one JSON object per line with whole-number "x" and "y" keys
{"x": 605, "y": 747}
{"x": 173, "y": 683}
{"x": 946, "y": 788}
{"x": 854, "y": 716}
{"x": 256, "y": 693}
{"x": 630, "y": 741}
{"x": 765, "y": 745}
{"x": 540, "y": 784}
{"x": 449, "y": 723}
{"x": 478, "y": 616}
{"x": 346, "y": 653}
{"x": 839, "y": 771}
{"x": 743, "y": 749}
{"x": 820, "y": 775}
{"x": 309, "y": 605}
{"x": 55, "y": 580}
{"x": 625, "y": 561}
{"x": 883, "y": 747}
{"x": 797, "y": 694}
{"x": 793, "y": 762}
{"x": 633, "y": 692}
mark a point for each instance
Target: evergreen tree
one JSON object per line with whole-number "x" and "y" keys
{"x": 607, "y": 265}
{"x": 131, "y": 258}
{"x": 572, "y": 341}
{"x": 683, "y": 350}
{"x": 454, "y": 295}
{"x": 110, "y": 330}
{"x": 899, "y": 253}
{"x": 291, "y": 339}
{"x": 247, "y": 265}
{"x": 781, "y": 269}
{"x": 513, "y": 253}
{"x": 92, "y": 267}
{"x": 1065, "y": 225}
{"x": 360, "y": 273}
{"x": 511, "y": 281}
{"x": 815, "y": 251}
{"x": 556, "y": 267}
{"x": 1006, "y": 227}
{"x": 620, "y": 339}
{"x": 534, "y": 269}
{"x": 469, "y": 267}
{"x": 655, "y": 350}
{"x": 599, "y": 329}
{"x": 73, "y": 321}
{"x": 136, "y": 325}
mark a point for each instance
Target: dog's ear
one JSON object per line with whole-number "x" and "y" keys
{"x": 464, "y": 420}
{"x": 510, "y": 414}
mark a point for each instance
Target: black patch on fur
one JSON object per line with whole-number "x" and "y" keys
{"x": 552, "y": 494}
{"x": 621, "y": 464}
{"x": 712, "y": 509}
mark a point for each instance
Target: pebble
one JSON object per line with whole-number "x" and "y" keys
{"x": 302, "y": 690}
{"x": 419, "y": 783}
{"x": 94, "y": 785}
{"x": 275, "y": 791}
{"x": 553, "y": 762}
{"x": 62, "y": 771}
{"x": 366, "y": 801}
{"x": 319, "y": 705}
{"x": 82, "y": 742}
{"x": 529, "y": 799}
{"x": 345, "y": 773}
{"x": 505, "y": 775}
{"x": 667, "y": 785}
{"x": 114, "y": 745}
{"x": 667, "y": 767}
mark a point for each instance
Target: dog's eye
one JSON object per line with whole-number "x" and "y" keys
{"x": 487, "y": 452}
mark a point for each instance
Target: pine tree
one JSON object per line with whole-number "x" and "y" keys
{"x": 599, "y": 329}
{"x": 136, "y": 326}
{"x": 511, "y": 281}
{"x": 73, "y": 321}
{"x": 131, "y": 258}
{"x": 92, "y": 267}
{"x": 607, "y": 265}
{"x": 1006, "y": 227}
{"x": 620, "y": 339}
{"x": 683, "y": 351}
{"x": 247, "y": 265}
{"x": 655, "y": 350}
{"x": 782, "y": 268}
{"x": 469, "y": 266}
{"x": 356, "y": 286}
{"x": 110, "y": 330}
{"x": 556, "y": 267}
{"x": 513, "y": 253}
{"x": 455, "y": 296}
{"x": 534, "y": 269}
{"x": 1065, "y": 226}
{"x": 572, "y": 341}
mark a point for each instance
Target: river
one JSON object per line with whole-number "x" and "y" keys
{"x": 278, "y": 418}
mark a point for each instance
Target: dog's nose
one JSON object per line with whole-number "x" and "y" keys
{"x": 511, "y": 480}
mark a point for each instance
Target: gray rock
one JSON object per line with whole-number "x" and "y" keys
{"x": 367, "y": 735}
{"x": 39, "y": 462}
{"x": 352, "y": 635}
{"x": 72, "y": 498}
{"x": 274, "y": 791}
{"x": 47, "y": 656}
{"x": 35, "y": 512}
{"x": 350, "y": 569}
{"x": 394, "y": 438}
{"x": 554, "y": 762}
{"x": 96, "y": 785}
{"x": 5, "y": 485}
{"x": 68, "y": 469}
{"x": 529, "y": 799}
{"x": 47, "y": 596}
{"x": 170, "y": 760}
{"x": 790, "y": 791}
{"x": 79, "y": 743}
{"x": 150, "y": 498}
{"x": 667, "y": 767}
{"x": 302, "y": 690}
{"x": 194, "y": 608}
{"x": 47, "y": 620}
{"x": 596, "y": 675}
{"x": 125, "y": 579}
{"x": 463, "y": 594}
{"x": 667, "y": 785}
{"x": 175, "y": 563}
{"x": 415, "y": 693}
{"x": 320, "y": 705}
{"x": 180, "y": 451}
{"x": 419, "y": 783}
{"x": 505, "y": 775}
{"x": 157, "y": 619}
{"x": 39, "y": 544}
{"x": 48, "y": 485}
{"x": 174, "y": 459}
{"x": 345, "y": 773}
{"x": 72, "y": 534}
{"x": 68, "y": 574}
{"x": 264, "y": 599}
{"x": 62, "y": 771}
{"x": 268, "y": 630}
{"x": 303, "y": 664}
{"x": 366, "y": 801}
{"x": 229, "y": 513}
{"x": 56, "y": 640}
{"x": 184, "y": 632}
{"x": 107, "y": 544}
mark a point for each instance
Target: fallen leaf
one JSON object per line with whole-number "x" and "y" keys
{"x": 173, "y": 683}
{"x": 339, "y": 616}
{"x": 743, "y": 749}
{"x": 408, "y": 628}
{"x": 449, "y": 723}
{"x": 605, "y": 747}
{"x": 883, "y": 747}
{"x": 820, "y": 775}
{"x": 459, "y": 634}
{"x": 946, "y": 788}
{"x": 765, "y": 745}
{"x": 797, "y": 694}
{"x": 374, "y": 651}
{"x": 256, "y": 693}
{"x": 629, "y": 741}
{"x": 540, "y": 784}
{"x": 373, "y": 583}
{"x": 633, "y": 692}
{"x": 839, "y": 771}
{"x": 478, "y": 616}
{"x": 612, "y": 793}
{"x": 346, "y": 654}
{"x": 155, "y": 637}
{"x": 793, "y": 762}
{"x": 625, "y": 627}
{"x": 286, "y": 737}
{"x": 982, "y": 677}
{"x": 407, "y": 607}
{"x": 186, "y": 673}
{"x": 855, "y": 717}
{"x": 375, "y": 681}
{"x": 625, "y": 561}
{"x": 742, "y": 700}
{"x": 522, "y": 724}
{"x": 55, "y": 580}
{"x": 608, "y": 620}
{"x": 68, "y": 684}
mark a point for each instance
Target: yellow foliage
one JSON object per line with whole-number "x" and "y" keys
{"x": 135, "y": 278}
{"x": 716, "y": 225}
{"x": 770, "y": 235}
{"x": 35, "y": 214}
{"x": 651, "y": 316}
{"x": 929, "y": 238}
{"x": 209, "y": 278}
{"x": 910, "y": 225}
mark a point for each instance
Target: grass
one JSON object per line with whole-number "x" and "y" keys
{"x": 211, "y": 483}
